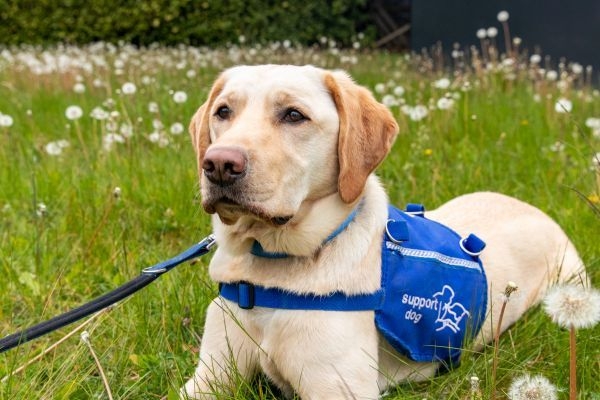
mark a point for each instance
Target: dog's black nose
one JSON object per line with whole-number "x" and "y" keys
{"x": 223, "y": 166}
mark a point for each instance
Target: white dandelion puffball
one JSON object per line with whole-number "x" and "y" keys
{"x": 492, "y": 32}
{"x": 593, "y": 123}
{"x": 503, "y": 16}
{"x": 445, "y": 103}
{"x": 563, "y": 105}
{"x": 481, "y": 33}
{"x": 443, "y": 83}
{"x": 128, "y": 88}
{"x": 573, "y": 306}
{"x": 153, "y": 107}
{"x": 6, "y": 121}
{"x": 79, "y": 88}
{"x": 177, "y": 128}
{"x": 399, "y": 91}
{"x": 179, "y": 97}
{"x": 73, "y": 112}
{"x": 532, "y": 388}
{"x": 535, "y": 59}
{"x": 56, "y": 148}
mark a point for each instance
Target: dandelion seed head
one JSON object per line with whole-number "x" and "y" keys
{"x": 503, "y": 16}
{"x": 492, "y": 32}
{"x": 527, "y": 387}
{"x": 177, "y": 128}
{"x": 73, "y": 113}
{"x": 399, "y": 91}
{"x": 442, "y": 83}
{"x": 481, "y": 33}
{"x": 79, "y": 88}
{"x": 552, "y": 75}
{"x": 128, "y": 88}
{"x": 179, "y": 97}
{"x": 41, "y": 210}
{"x": 563, "y": 106}
{"x": 6, "y": 121}
{"x": 445, "y": 103}
{"x": 573, "y": 306}
{"x": 535, "y": 59}
{"x": 153, "y": 107}
{"x": 379, "y": 88}
{"x": 593, "y": 123}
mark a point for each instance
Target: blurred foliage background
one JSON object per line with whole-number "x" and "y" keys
{"x": 171, "y": 22}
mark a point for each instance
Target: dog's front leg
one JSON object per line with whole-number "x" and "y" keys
{"x": 227, "y": 353}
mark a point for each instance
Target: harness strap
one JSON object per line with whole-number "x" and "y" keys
{"x": 248, "y": 296}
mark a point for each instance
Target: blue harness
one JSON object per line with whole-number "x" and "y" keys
{"x": 433, "y": 293}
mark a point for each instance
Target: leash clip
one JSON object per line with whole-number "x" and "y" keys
{"x": 199, "y": 249}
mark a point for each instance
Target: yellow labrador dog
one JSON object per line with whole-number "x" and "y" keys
{"x": 286, "y": 156}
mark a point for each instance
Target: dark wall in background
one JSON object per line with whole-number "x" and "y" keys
{"x": 560, "y": 28}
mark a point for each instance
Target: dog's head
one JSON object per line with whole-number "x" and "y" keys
{"x": 272, "y": 137}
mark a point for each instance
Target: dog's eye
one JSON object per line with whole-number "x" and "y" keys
{"x": 223, "y": 112}
{"x": 292, "y": 115}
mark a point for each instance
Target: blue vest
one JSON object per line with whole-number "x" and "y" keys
{"x": 433, "y": 293}
{"x": 435, "y": 288}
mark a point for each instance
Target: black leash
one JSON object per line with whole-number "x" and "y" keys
{"x": 147, "y": 276}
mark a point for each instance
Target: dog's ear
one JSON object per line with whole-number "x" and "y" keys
{"x": 199, "y": 127}
{"x": 367, "y": 132}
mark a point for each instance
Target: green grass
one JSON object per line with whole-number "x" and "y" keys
{"x": 496, "y": 137}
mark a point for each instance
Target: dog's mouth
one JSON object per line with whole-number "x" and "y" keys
{"x": 230, "y": 210}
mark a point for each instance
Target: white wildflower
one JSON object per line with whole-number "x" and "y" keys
{"x": 73, "y": 112}
{"x": 445, "y": 103}
{"x": 552, "y": 75}
{"x": 418, "y": 112}
{"x": 41, "y": 209}
{"x": 126, "y": 130}
{"x": 481, "y": 33}
{"x": 128, "y": 88}
{"x": 563, "y": 105}
{"x": 179, "y": 97}
{"x": 153, "y": 107}
{"x": 56, "y": 148}
{"x": 79, "y": 88}
{"x": 110, "y": 139}
{"x": 535, "y": 59}
{"x": 532, "y": 388}
{"x": 503, "y": 16}
{"x": 399, "y": 91}
{"x": 573, "y": 306}
{"x": 443, "y": 83}
{"x": 177, "y": 128}
{"x": 492, "y": 32}
{"x": 6, "y": 121}
{"x": 380, "y": 88}
{"x": 98, "y": 113}
{"x": 593, "y": 123}
{"x": 389, "y": 100}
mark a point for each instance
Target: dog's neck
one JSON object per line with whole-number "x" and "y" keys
{"x": 303, "y": 235}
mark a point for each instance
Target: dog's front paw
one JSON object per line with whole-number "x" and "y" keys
{"x": 194, "y": 389}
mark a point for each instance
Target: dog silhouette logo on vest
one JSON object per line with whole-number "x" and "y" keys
{"x": 449, "y": 313}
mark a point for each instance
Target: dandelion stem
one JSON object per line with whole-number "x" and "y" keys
{"x": 85, "y": 337}
{"x": 572, "y": 364}
{"x": 510, "y": 288}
